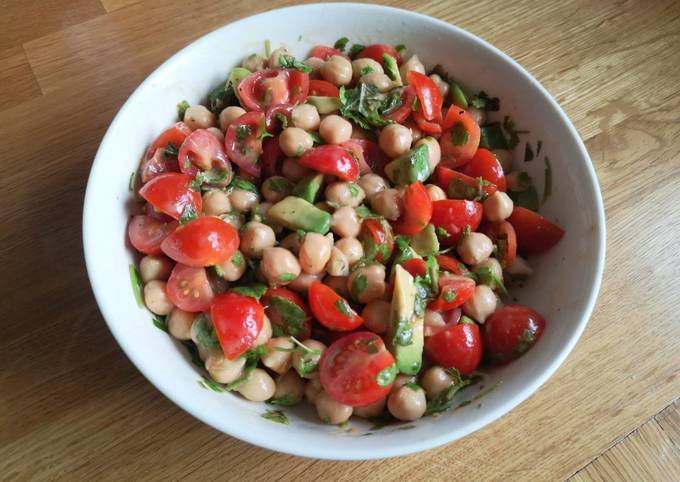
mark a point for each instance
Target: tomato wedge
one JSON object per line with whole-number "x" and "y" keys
{"x": 205, "y": 241}
{"x": 451, "y": 264}
{"x": 356, "y": 149}
{"x": 454, "y": 290}
{"x": 237, "y": 320}
{"x": 432, "y": 127}
{"x": 323, "y": 88}
{"x": 189, "y": 289}
{"x": 484, "y": 164}
{"x": 146, "y": 234}
{"x": 272, "y": 117}
{"x": 377, "y": 239}
{"x": 504, "y": 237}
{"x": 445, "y": 176}
{"x": 373, "y": 157}
{"x": 324, "y": 52}
{"x": 418, "y": 210}
{"x": 535, "y": 234}
{"x": 288, "y": 312}
{"x": 243, "y": 142}
{"x": 376, "y": 51}
{"x": 428, "y": 93}
{"x": 333, "y": 160}
{"x": 332, "y": 310}
{"x": 157, "y": 164}
{"x": 453, "y": 215}
{"x": 357, "y": 369}
{"x": 456, "y": 346}
{"x": 271, "y": 158}
{"x": 511, "y": 331}
{"x": 273, "y": 86}
{"x": 399, "y": 115}
{"x": 202, "y": 151}
{"x": 170, "y": 193}
{"x": 460, "y": 138}
{"x": 174, "y": 135}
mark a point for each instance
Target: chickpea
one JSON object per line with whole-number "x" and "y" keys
{"x": 378, "y": 80}
{"x": 290, "y": 387}
{"x": 294, "y": 171}
{"x": 519, "y": 267}
{"x": 372, "y": 288}
{"x": 229, "y": 115}
{"x": 478, "y": 115}
{"x": 387, "y": 203}
{"x": 338, "y": 264}
{"x": 198, "y": 117}
{"x": 279, "y": 266}
{"x": 376, "y": 315}
{"x": 255, "y": 237}
{"x": 259, "y": 386}
{"x": 276, "y": 188}
{"x": 179, "y": 323}
{"x": 433, "y": 320}
{"x": 156, "y": 298}
{"x": 295, "y": 141}
{"x": 407, "y": 403}
{"x": 416, "y": 133}
{"x": 504, "y": 157}
{"x": 275, "y": 57}
{"x": 276, "y": 360}
{"x": 302, "y": 283}
{"x": 254, "y": 62}
{"x": 435, "y": 192}
{"x": 345, "y": 222}
{"x": 338, "y": 284}
{"x": 395, "y": 140}
{"x": 315, "y": 63}
{"x": 242, "y": 200}
{"x": 335, "y": 129}
{"x": 222, "y": 369}
{"x": 216, "y": 202}
{"x": 337, "y": 70}
{"x": 315, "y": 251}
{"x": 234, "y": 219}
{"x": 498, "y": 207}
{"x": 312, "y": 390}
{"x": 372, "y": 410}
{"x": 352, "y": 248}
{"x": 359, "y": 65}
{"x": 441, "y": 84}
{"x": 305, "y": 364}
{"x": 330, "y": 411}
{"x": 482, "y": 304}
{"x": 305, "y": 116}
{"x": 435, "y": 379}
{"x": 292, "y": 243}
{"x": 152, "y": 267}
{"x": 434, "y": 151}
{"x": 265, "y": 333}
{"x": 413, "y": 63}
{"x": 219, "y": 135}
{"x": 344, "y": 194}
{"x": 402, "y": 380}
{"x": 233, "y": 268}
{"x": 493, "y": 265}
{"x": 474, "y": 248}
{"x": 372, "y": 184}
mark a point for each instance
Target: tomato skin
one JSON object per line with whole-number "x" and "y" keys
{"x": 511, "y": 331}
{"x": 146, "y": 233}
{"x": 463, "y": 288}
{"x": 444, "y": 176}
{"x": 451, "y": 264}
{"x": 170, "y": 194}
{"x": 189, "y": 289}
{"x": 350, "y": 367}
{"x": 273, "y": 86}
{"x": 271, "y": 118}
{"x": 174, "y": 135}
{"x": 418, "y": 210}
{"x": 244, "y": 151}
{"x": 376, "y": 51}
{"x": 323, "y": 88}
{"x": 456, "y": 346}
{"x": 453, "y": 215}
{"x": 453, "y": 155}
{"x": 205, "y": 241}
{"x": 356, "y": 150}
{"x": 237, "y": 320}
{"x": 324, "y": 301}
{"x": 408, "y": 95}
{"x": 377, "y": 239}
{"x": 271, "y": 157}
{"x": 324, "y": 52}
{"x": 156, "y": 165}
{"x": 535, "y": 234}
{"x": 414, "y": 266}
{"x": 428, "y": 93}
{"x": 504, "y": 237}
{"x": 302, "y": 332}
{"x": 372, "y": 158}
{"x": 484, "y": 164}
{"x": 432, "y": 127}
{"x": 333, "y": 160}
{"x": 201, "y": 151}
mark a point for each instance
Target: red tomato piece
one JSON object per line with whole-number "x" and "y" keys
{"x": 376, "y": 51}
{"x": 535, "y": 234}
{"x": 373, "y": 157}
{"x": 323, "y": 88}
{"x": 157, "y": 164}
{"x": 356, "y": 149}
{"x": 271, "y": 158}
{"x": 237, "y": 320}
{"x": 454, "y": 290}
{"x": 146, "y": 234}
{"x": 377, "y": 239}
{"x": 399, "y": 115}
{"x": 205, "y": 241}
{"x": 201, "y": 151}
{"x": 428, "y": 93}
{"x": 171, "y": 194}
{"x": 273, "y": 86}
{"x": 432, "y": 127}
{"x": 189, "y": 289}
{"x": 456, "y": 346}
{"x": 453, "y": 215}
{"x": 484, "y": 164}
{"x": 460, "y": 138}
{"x": 332, "y": 310}
{"x": 451, "y": 264}
{"x": 357, "y": 369}
{"x": 510, "y": 331}
{"x": 414, "y": 266}
{"x": 288, "y": 311}
{"x": 324, "y": 52}
{"x": 444, "y": 176}
{"x": 333, "y": 160}
{"x": 272, "y": 117}
{"x": 504, "y": 237}
{"x": 174, "y": 135}
{"x": 243, "y": 142}
{"x": 417, "y": 212}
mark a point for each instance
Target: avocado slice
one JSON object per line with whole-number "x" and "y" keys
{"x": 392, "y": 69}
{"x": 410, "y": 167}
{"x": 295, "y": 213}
{"x": 325, "y": 105}
{"x": 405, "y": 330}
{"x": 425, "y": 243}
{"x": 309, "y": 188}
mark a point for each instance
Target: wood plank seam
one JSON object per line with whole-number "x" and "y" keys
{"x": 33, "y": 75}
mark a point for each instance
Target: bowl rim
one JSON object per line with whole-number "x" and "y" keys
{"x": 298, "y": 449}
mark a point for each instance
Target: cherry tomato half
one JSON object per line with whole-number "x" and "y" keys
{"x": 170, "y": 193}
{"x": 460, "y": 138}
{"x": 333, "y": 160}
{"x": 189, "y": 289}
{"x": 356, "y": 150}
{"x": 510, "y": 331}
{"x": 453, "y": 215}
{"x": 428, "y": 93}
{"x": 535, "y": 234}
{"x": 202, "y": 151}
{"x": 432, "y": 127}
{"x": 399, "y": 115}
{"x": 243, "y": 142}
{"x": 456, "y": 346}
{"x": 377, "y": 239}
{"x": 504, "y": 237}
{"x": 273, "y": 114}
{"x": 324, "y": 52}
{"x": 273, "y": 86}
{"x": 146, "y": 233}
{"x": 159, "y": 163}
{"x": 323, "y": 88}
{"x": 357, "y": 369}
{"x": 445, "y": 176}
{"x": 418, "y": 210}
{"x": 454, "y": 290}
{"x": 271, "y": 157}
{"x": 237, "y": 320}
{"x": 451, "y": 264}
{"x": 376, "y": 51}
{"x": 174, "y": 135}
{"x": 288, "y": 311}
{"x": 332, "y": 310}
{"x": 205, "y": 241}
{"x": 484, "y": 164}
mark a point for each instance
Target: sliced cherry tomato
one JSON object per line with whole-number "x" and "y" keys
{"x": 460, "y": 138}
{"x": 273, "y": 86}
{"x": 189, "y": 289}
{"x": 399, "y": 115}
{"x": 243, "y": 142}
{"x": 324, "y": 52}
{"x": 174, "y": 135}
{"x": 159, "y": 163}
{"x": 356, "y": 149}
{"x": 373, "y": 156}
{"x": 287, "y": 311}
{"x": 377, "y": 239}
{"x": 332, "y": 310}
{"x": 414, "y": 266}
{"x": 417, "y": 212}
{"x": 452, "y": 265}
{"x": 323, "y": 88}
{"x": 376, "y": 51}
{"x": 273, "y": 114}
{"x": 535, "y": 234}
{"x": 504, "y": 237}
{"x": 146, "y": 234}
{"x": 454, "y": 290}
{"x": 510, "y": 331}
{"x": 432, "y": 127}
{"x": 170, "y": 193}
{"x": 456, "y": 346}
{"x": 271, "y": 158}
{"x": 333, "y": 160}
{"x": 445, "y": 176}
{"x": 453, "y": 215}
{"x": 202, "y": 151}
{"x": 428, "y": 93}
{"x": 357, "y": 369}
{"x": 484, "y": 164}
{"x": 205, "y": 241}
{"x": 237, "y": 320}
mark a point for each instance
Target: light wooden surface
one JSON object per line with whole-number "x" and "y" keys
{"x": 73, "y": 407}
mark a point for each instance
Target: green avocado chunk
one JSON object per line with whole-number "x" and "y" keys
{"x": 410, "y": 167}
{"x": 405, "y": 330}
{"x": 325, "y": 105}
{"x": 295, "y": 213}
{"x": 309, "y": 187}
{"x": 425, "y": 243}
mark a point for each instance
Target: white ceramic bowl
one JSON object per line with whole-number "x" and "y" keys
{"x": 566, "y": 279}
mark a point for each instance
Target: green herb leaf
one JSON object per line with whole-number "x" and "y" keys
{"x": 359, "y": 285}
{"x": 458, "y": 96}
{"x": 242, "y": 132}
{"x": 539, "y": 145}
{"x": 289, "y": 62}
{"x": 444, "y": 399}
{"x": 242, "y": 184}
{"x": 288, "y": 400}
{"x": 492, "y": 137}
{"x": 136, "y": 281}
{"x": 526, "y": 340}
{"x": 221, "y": 96}
{"x": 206, "y": 336}
{"x": 392, "y": 69}
{"x": 193, "y": 354}
{"x": 316, "y": 138}
{"x": 527, "y": 196}
{"x": 341, "y": 43}
{"x": 282, "y": 119}
{"x": 441, "y": 232}
{"x": 353, "y": 189}
{"x": 131, "y": 182}
{"x": 237, "y": 259}
{"x": 344, "y": 308}
{"x": 487, "y": 277}
{"x": 356, "y": 48}
{"x": 160, "y": 322}
{"x": 413, "y": 386}
{"x": 528, "y": 153}
{"x": 189, "y": 214}
{"x": 365, "y": 213}
{"x": 286, "y": 277}
{"x": 291, "y": 314}
{"x": 547, "y": 186}
{"x": 216, "y": 175}
{"x": 255, "y": 290}
{"x": 275, "y": 416}
{"x": 252, "y": 357}
{"x": 171, "y": 150}
{"x": 387, "y": 376}
{"x": 513, "y": 133}
{"x": 279, "y": 184}
{"x": 400, "y": 48}
{"x": 365, "y": 105}
{"x": 482, "y": 101}
{"x": 365, "y": 71}
{"x": 182, "y": 108}
{"x": 211, "y": 384}
{"x": 459, "y": 135}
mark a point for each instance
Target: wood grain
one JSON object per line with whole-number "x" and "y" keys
{"x": 74, "y": 408}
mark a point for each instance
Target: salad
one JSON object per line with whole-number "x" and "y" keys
{"x": 340, "y": 229}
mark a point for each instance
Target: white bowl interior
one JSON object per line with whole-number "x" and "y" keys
{"x": 566, "y": 279}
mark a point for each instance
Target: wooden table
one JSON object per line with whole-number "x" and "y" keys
{"x": 73, "y": 407}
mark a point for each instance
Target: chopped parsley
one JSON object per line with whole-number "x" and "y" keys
{"x": 136, "y": 281}
{"x": 189, "y": 214}
{"x": 459, "y": 134}
{"x": 341, "y": 43}
{"x": 242, "y": 132}
{"x": 275, "y": 416}
{"x": 387, "y": 376}
{"x": 491, "y": 137}
{"x": 237, "y": 259}
{"x": 267, "y": 48}
{"x": 365, "y": 213}
{"x": 482, "y": 101}
{"x": 486, "y": 276}
{"x": 206, "y": 336}
{"x": 131, "y": 181}
{"x": 282, "y": 119}
{"x": 279, "y": 184}
{"x": 171, "y": 150}
{"x": 356, "y": 48}
{"x": 458, "y": 96}
{"x": 526, "y": 340}
{"x": 444, "y": 399}
{"x": 211, "y": 384}
{"x": 401, "y": 49}
{"x": 547, "y": 186}
{"x": 343, "y": 308}
{"x": 526, "y": 196}
{"x": 513, "y": 133}
{"x": 182, "y": 108}
{"x": 528, "y": 153}
{"x": 252, "y": 357}
{"x": 365, "y": 71}
{"x": 291, "y": 314}
{"x": 392, "y": 69}
{"x": 289, "y": 62}
{"x": 354, "y": 189}
{"x": 255, "y": 290}
{"x": 216, "y": 175}
{"x": 286, "y": 277}
{"x": 160, "y": 322}
{"x": 412, "y": 386}
{"x": 359, "y": 285}
{"x": 441, "y": 232}
{"x": 287, "y": 400}
{"x": 242, "y": 184}
{"x": 365, "y": 105}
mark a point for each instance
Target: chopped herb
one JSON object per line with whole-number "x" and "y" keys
{"x": 513, "y": 133}
{"x": 289, "y": 62}
{"x": 466, "y": 231}
{"x": 237, "y": 259}
{"x": 413, "y": 386}
{"x": 449, "y": 295}
{"x": 131, "y": 182}
{"x": 206, "y": 336}
{"x": 444, "y": 399}
{"x": 215, "y": 175}
{"x": 189, "y": 214}
{"x": 242, "y": 184}
{"x": 291, "y": 314}
{"x": 382, "y": 421}
{"x": 182, "y": 108}
{"x": 276, "y": 416}
{"x": 282, "y": 119}
{"x": 299, "y": 151}
{"x": 459, "y": 189}
{"x": 441, "y": 232}
{"x": 160, "y": 322}
{"x": 491, "y": 137}
{"x": 171, "y": 150}
{"x": 136, "y": 281}
{"x": 459, "y": 134}
{"x": 286, "y": 277}
{"x": 343, "y": 308}
{"x": 343, "y": 425}
{"x": 262, "y": 132}
{"x": 267, "y": 48}
{"x": 316, "y": 138}
{"x": 279, "y": 184}
{"x": 211, "y": 384}
{"x": 486, "y": 276}
{"x": 386, "y": 376}
{"x": 526, "y": 340}
{"x": 353, "y": 189}
{"x": 482, "y": 101}
{"x": 401, "y": 49}
{"x": 528, "y": 153}
{"x": 252, "y": 356}
{"x": 365, "y": 105}
{"x": 458, "y": 96}
{"x": 547, "y": 187}
{"x": 242, "y": 132}
{"x": 255, "y": 290}
{"x": 526, "y": 196}
{"x": 193, "y": 354}
{"x": 356, "y": 48}
{"x": 365, "y": 71}
{"x": 539, "y": 144}
{"x": 466, "y": 320}
{"x": 406, "y": 427}
{"x": 341, "y": 43}
{"x": 365, "y": 213}
{"x": 359, "y": 285}
{"x": 392, "y": 69}
{"x": 221, "y": 96}
{"x": 287, "y": 400}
